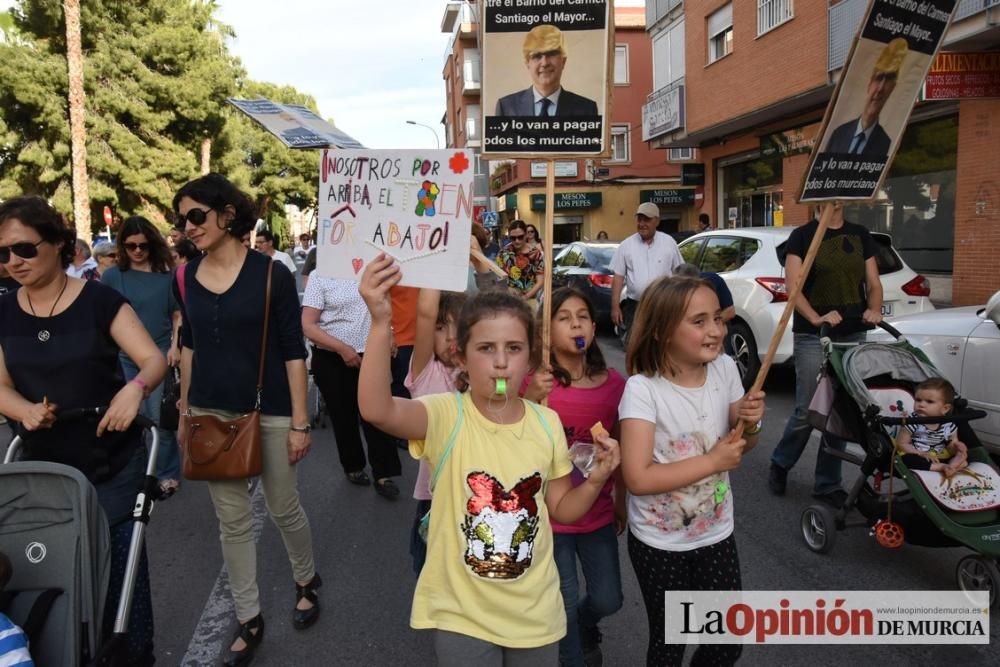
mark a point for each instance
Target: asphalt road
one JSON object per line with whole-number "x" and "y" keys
{"x": 361, "y": 544}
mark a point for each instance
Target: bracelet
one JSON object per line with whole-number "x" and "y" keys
{"x": 755, "y": 429}
{"x": 301, "y": 429}
{"x": 142, "y": 385}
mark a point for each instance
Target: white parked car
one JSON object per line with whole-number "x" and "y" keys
{"x": 964, "y": 344}
{"x": 751, "y": 261}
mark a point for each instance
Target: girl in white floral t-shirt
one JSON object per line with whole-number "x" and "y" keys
{"x": 677, "y": 416}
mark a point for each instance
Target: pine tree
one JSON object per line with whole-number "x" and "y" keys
{"x": 156, "y": 75}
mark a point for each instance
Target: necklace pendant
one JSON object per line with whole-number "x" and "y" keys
{"x": 44, "y": 335}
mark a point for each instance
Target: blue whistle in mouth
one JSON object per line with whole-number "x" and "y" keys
{"x": 581, "y": 342}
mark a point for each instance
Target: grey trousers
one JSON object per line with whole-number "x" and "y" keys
{"x": 232, "y": 507}
{"x": 458, "y": 650}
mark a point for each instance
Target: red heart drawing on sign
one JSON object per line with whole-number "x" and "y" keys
{"x": 357, "y": 264}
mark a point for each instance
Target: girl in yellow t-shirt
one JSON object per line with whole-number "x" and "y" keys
{"x": 489, "y": 588}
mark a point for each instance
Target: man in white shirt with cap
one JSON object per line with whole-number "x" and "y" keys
{"x": 639, "y": 260}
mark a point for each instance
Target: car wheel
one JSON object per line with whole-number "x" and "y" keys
{"x": 744, "y": 351}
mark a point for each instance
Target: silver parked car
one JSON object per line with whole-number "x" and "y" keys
{"x": 964, "y": 344}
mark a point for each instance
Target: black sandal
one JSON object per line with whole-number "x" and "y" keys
{"x": 359, "y": 477}
{"x": 250, "y": 638}
{"x": 303, "y": 618}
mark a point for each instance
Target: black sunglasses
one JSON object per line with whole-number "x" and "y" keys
{"x": 132, "y": 247}
{"x": 515, "y": 237}
{"x": 196, "y": 216}
{"x": 23, "y": 250}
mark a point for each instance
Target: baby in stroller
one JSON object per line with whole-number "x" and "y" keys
{"x": 934, "y": 447}
{"x": 13, "y": 641}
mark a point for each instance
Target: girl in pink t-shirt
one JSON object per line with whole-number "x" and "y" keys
{"x": 433, "y": 370}
{"x": 583, "y": 390}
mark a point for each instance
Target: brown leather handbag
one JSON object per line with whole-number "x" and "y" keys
{"x": 217, "y": 449}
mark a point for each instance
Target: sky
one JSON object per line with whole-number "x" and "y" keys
{"x": 371, "y": 66}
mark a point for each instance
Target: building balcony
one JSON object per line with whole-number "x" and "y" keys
{"x": 472, "y": 77}
{"x": 460, "y": 16}
{"x": 658, "y": 9}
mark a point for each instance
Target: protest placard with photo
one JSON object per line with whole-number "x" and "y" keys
{"x": 878, "y": 86}
{"x": 295, "y": 125}
{"x": 545, "y": 77}
{"x": 414, "y": 205}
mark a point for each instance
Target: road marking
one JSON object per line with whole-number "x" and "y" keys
{"x": 212, "y": 632}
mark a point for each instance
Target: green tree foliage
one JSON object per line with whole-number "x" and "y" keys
{"x": 157, "y": 75}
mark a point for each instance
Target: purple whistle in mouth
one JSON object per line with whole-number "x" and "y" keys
{"x": 581, "y": 342}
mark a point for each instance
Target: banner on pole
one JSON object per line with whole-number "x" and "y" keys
{"x": 878, "y": 86}
{"x": 546, "y": 66}
{"x": 414, "y": 205}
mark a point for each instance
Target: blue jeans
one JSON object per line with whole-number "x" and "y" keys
{"x": 598, "y": 553}
{"x": 117, "y": 497}
{"x": 168, "y": 456}
{"x": 808, "y": 363}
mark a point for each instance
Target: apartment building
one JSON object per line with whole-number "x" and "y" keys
{"x": 462, "y": 75}
{"x": 743, "y": 86}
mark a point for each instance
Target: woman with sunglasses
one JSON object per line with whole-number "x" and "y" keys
{"x": 223, "y": 306}
{"x": 60, "y": 338}
{"x": 106, "y": 255}
{"x": 143, "y": 276}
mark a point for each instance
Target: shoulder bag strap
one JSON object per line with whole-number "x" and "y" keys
{"x": 451, "y": 441}
{"x": 263, "y": 338}
{"x": 548, "y": 432}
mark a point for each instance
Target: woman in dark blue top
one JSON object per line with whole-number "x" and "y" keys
{"x": 143, "y": 273}
{"x": 222, "y": 300}
{"x": 60, "y": 339}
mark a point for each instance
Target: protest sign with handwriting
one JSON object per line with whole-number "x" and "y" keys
{"x": 415, "y": 205}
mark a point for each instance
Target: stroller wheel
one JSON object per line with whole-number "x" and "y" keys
{"x": 819, "y": 528}
{"x": 978, "y": 573}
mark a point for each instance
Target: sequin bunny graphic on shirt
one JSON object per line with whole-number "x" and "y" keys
{"x": 501, "y": 525}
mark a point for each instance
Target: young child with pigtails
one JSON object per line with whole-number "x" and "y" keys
{"x": 583, "y": 391}
{"x": 489, "y": 587}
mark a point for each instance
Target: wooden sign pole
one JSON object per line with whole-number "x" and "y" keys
{"x": 793, "y": 296}
{"x": 550, "y": 207}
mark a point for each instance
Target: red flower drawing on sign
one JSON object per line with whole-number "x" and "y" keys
{"x": 458, "y": 163}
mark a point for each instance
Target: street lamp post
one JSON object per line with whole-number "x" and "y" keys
{"x": 437, "y": 141}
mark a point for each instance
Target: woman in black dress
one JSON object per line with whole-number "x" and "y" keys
{"x": 59, "y": 343}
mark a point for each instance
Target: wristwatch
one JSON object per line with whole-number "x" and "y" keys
{"x": 301, "y": 429}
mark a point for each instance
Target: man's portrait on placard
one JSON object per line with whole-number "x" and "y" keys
{"x": 545, "y": 57}
{"x": 545, "y": 72}
{"x": 874, "y": 101}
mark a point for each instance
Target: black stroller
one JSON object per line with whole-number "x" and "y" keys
{"x": 862, "y": 397}
{"x": 57, "y": 537}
